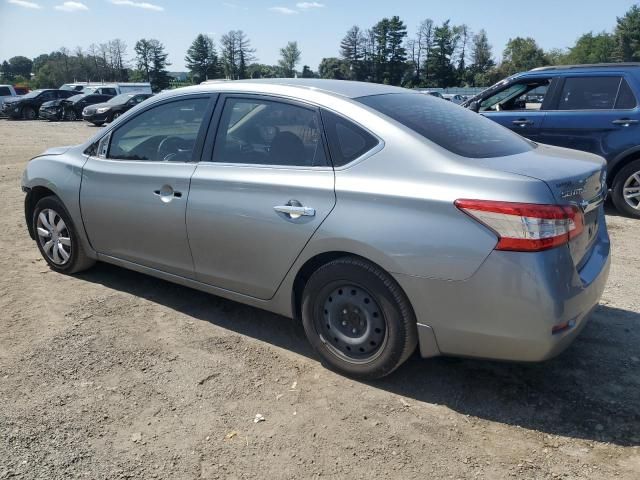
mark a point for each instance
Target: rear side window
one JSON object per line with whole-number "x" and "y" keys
{"x": 5, "y": 92}
{"x": 454, "y": 128}
{"x": 626, "y": 99}
{"x": 347, "y": 141}
{"x": 589, "y": 93}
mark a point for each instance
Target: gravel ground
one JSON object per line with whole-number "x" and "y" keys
{"x": 112, "y": 374}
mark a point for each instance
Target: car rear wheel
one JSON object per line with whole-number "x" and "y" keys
{"x": 56, "y": 237}
{"x": 626, "y": 190}
{"x": 72, "y": 115}
{"x": 28, "y": 113}
{"x": 115, "y": 115}
{"x": 358, "y": 319}
{"x": 98, "y": 124}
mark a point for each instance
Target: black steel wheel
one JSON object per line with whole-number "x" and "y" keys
{"x": 357, "y": 318}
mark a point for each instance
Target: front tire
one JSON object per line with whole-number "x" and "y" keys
{"x": 28, "y": 113}
{"x": 358, "y": 319}
{"x": 57, "y": 237}
{"x": 626, "y": 190}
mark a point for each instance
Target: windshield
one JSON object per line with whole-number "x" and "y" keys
{"x": 455, "y": 128}
{"x": 33, "y": 94}
{"x": 122, "y": 98}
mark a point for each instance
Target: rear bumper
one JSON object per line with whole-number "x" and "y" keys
{"x": 508, "y": 308}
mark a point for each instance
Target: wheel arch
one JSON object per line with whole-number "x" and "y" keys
{"x": 620, "y": 162}
{"x": 312, "y": 264}
{"x": 34, "y": 195}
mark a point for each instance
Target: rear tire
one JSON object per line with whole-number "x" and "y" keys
{"x": 57, "y": 237}
{"x": 98, "y": 124}
{"x": 358, "y": 319}
{"x": 625, "y": 191}
{"x": 72, "y": 116}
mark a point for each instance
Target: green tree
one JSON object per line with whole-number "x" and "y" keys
{"x": 334, "y": 68}
{"x": 627, "y": 35}
{"x": 289, "y": 58}
{"x": 522, "y": 54}
{"x": 352, "y": 50}
{"x": 481, "y": 59}
{"x": 21, "y": 66}
{"x": 442, "y": 71}
{"x": 389, "y": 55}
{"x": 152, "y": 62}
{"x": 307, "y": 72}
{"x": 236, "y": 54}
{"x": 202, "y": 59}
{"x": 258, "y": 70}
{"x": 590, "y": 48}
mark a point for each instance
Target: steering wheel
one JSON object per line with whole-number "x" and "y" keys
{"x": 169, "y": 147}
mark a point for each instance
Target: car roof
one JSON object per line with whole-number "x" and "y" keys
{"x": 343, "y": 88}
{"x": 590, "y": 66}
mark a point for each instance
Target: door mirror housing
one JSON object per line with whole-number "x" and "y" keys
{"x": 474, "y": 106}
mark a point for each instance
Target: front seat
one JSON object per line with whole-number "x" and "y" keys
{"x": 287, "y": 149}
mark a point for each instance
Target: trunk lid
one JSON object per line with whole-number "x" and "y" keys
{"x": 574, "y": 177}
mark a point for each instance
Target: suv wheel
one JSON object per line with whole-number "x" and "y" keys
{"x": 626, "y": 190}
{"x": 357, "y": 318}
{"x": 56, "y": 237}
{"x": 28, "y": 113}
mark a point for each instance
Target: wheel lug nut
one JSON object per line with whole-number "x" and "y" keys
{"x": 353, "y": 330}
{"x": 344, "y": 323}
{"x": 344, "y": 311}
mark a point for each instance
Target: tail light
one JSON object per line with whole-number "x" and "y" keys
{"x": 526, "y": 227}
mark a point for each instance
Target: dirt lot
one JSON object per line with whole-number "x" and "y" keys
{"x": 112, "y": 374}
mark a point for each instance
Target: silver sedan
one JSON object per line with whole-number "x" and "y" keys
{"x": 382, "y": 218}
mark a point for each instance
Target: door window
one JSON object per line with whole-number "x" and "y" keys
{"x": 264, "y": 132}
{"x": 5, "y": 92}
{"x": 626, "y": 99}
{"x": 167, "y": 132}
{"x": 589, "y": 93}
{"x": 522, "y": 96}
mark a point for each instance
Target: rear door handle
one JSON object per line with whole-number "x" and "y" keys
{"x": 294, "y": 209}
{"x": 625, "y": 122}
{"x": 522, "y": 122}
{"x": 167, "y": 193}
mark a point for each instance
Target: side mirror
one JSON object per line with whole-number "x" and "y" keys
{"x": 474, "y": 106}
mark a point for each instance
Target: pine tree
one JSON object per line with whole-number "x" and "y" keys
{"x": 202, "y": 59}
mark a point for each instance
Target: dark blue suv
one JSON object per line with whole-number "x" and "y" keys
{"x": 585, "y": 107}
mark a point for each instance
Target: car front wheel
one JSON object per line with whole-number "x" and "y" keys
{"x": 56, "y": 237}
{"x": 358, "y": 319}
{"x": 28, "y": 113}
{"x": 626, "y": 190}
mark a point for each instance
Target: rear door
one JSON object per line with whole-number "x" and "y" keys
{"x": 595, "y": 113}
{"x": 261, "y": 191}
{"x": 520, "y": 106}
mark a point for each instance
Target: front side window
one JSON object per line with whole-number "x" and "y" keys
{"x": 521, "y": 96}
{"x": 265, "y": 132}
{"x": 5, "y": 92}
{"x": 589, "y": 93}
{"x": 454, "y": 128}
{"x": 167, "y": 132}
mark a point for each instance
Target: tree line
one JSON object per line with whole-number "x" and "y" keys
{"x": 435, "y": 55}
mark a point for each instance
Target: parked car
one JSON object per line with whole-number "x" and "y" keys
{"x": 52, "y": 110}
{"x": 28, "y": 106}
{"x": 115, "y": 88}
{"x": 454, "y": 97}
{"x": 106, "y": 112}
{"x": 73, "y": 106}
{"x": 433, "y": 93}
{"x": 381, "y": 217}
{"x": 7, "y": 92}
{"x": 593, "y": 108}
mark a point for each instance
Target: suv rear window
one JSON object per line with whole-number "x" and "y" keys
{"x": 454, "y": 128}
{"x": 626, "y": 99}
{"x": 347, "y": 141}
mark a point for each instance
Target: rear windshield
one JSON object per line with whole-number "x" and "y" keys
{"x": 455, "y": 128}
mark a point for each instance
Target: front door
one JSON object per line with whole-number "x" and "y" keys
{"x": 519, "y": 106}
{"x": 134, "y": 192}
{"x": 260, "y": 195}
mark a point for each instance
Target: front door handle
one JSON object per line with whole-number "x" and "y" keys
{"x": 625, "y": 122}
{"x": 167, "y": 193}
{"x": 294, "y": 209}
{"x": 522, "y": 122}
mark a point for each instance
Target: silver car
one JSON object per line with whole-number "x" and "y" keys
{"x": 383, "y": 218}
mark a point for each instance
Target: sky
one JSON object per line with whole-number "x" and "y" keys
{"x": 32, "y": 27}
